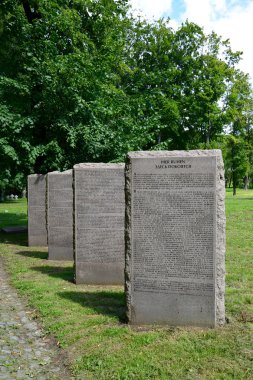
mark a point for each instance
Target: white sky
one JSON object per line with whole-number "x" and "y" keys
{"x": 231, "y": 19}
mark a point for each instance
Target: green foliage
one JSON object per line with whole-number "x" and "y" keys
{"x": 238, "y": 144}
{"x": 83, "y": 80}
{"x": 236, "y": 160}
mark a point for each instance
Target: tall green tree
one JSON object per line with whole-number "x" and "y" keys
{"x": 178, "y": 80}
{"x": 239, "y": 103}
{"x": 83, "y": 80}
{"x": 58, "y": 83}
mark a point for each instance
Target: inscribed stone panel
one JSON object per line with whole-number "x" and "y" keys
{"x": 37, "y": 232}
{"x": 99, "y": 223}
{"x": 175, "y": 237}
{"x": 60, "y": 215}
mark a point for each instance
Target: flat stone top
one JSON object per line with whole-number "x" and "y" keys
{"x": 99, "y": 165}
{"x": 56, "y": 172}
{"x": 175, "y": 153}
{"x": 69, "y": 171}
{"x": 36, "y": 175}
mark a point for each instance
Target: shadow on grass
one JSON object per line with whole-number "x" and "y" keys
{"x": 42, "y": 255}
{"x": 17, "y": 239}
{"x": 242, "y": 198}
{"x": 12, "y": 218}
{"x": 64, "y": 273}
{"x": 9, "y": 202}
{"x": 102, "y": 302}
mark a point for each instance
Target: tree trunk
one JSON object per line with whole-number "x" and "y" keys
{"x": 233, "y": 170}
{"x": 246, "y": 182}
{"x": 234, "y": 185}
{"x": 208, "y": 132}
{"x": 30, "y": 13}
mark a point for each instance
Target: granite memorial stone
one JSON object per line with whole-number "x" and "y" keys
{"x": 175, "y": 238}
{"x": 60, "y": 215}
{"x": 37, "y": 231}
{"x": 99, "y": 223}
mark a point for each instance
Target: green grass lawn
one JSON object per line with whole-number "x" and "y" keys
{"x": 89, "y": 321}
{"x": 13, "y": 213}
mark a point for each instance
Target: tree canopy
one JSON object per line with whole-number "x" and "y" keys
{"x": 85, "y": 81}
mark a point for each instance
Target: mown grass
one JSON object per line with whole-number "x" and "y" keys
{"x": 13, "y": 213}
{"x": 89, "y": 321}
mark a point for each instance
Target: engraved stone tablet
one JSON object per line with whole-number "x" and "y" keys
{"x": 99, "y": 204}
{"x": 175, "y": 238}
{"x": 37, "y": 231}
{"x": 60, "y": 215}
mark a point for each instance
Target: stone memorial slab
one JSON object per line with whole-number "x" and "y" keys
{"x": 37, "y": 231}
{"x": 99, "y": 205}
{"x": 175, "y": 238}
{"x": 60, "y": 215}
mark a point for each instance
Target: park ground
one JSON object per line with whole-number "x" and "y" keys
{"x": 88, "y": 322}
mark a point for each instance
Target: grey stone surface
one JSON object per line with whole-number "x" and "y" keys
{"x": 60, "y": 215}
{"x": 37, "y": 231}
{"x": 99, "y": 223}
{"x": 25, "y": 351}
{"x": 175, "y": 238}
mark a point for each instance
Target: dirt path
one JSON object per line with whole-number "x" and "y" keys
{"x": 25, "y": 353}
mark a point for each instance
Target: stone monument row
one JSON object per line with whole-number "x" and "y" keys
{"x": 37, "y": 231}
{"x": 174, "y": 224}
{"x": 175, "y": 238}
{"x": 99, "y": 209}
{"x": 60, "y": 215}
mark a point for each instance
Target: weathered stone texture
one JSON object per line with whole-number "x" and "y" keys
{"x": 99, "y": 223}
{"x": 175, "y": 238}
{"x": 60, "y": 215}
{"x": 37, "y": 231}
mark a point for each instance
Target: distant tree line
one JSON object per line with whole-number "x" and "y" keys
{"x": 86, "y": 81}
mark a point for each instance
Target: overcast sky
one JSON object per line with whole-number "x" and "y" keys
{"x": 231, "y": 19}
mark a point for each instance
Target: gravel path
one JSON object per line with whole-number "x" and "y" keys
{"x": 25, "y": 353}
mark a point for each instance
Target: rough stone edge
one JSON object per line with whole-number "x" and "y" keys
{"x": 128, "y": 237}
{"x": 28, "y": 209}
{"x": 220, "y": 225}
{"x": 220, "y": 242}
{"x": 99, "y": 165}
{"x": 47, "y": 207}
{"x": 74, "y": 221}
{"x": 174, "y": 153}
{"x": 30, "y": 176}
